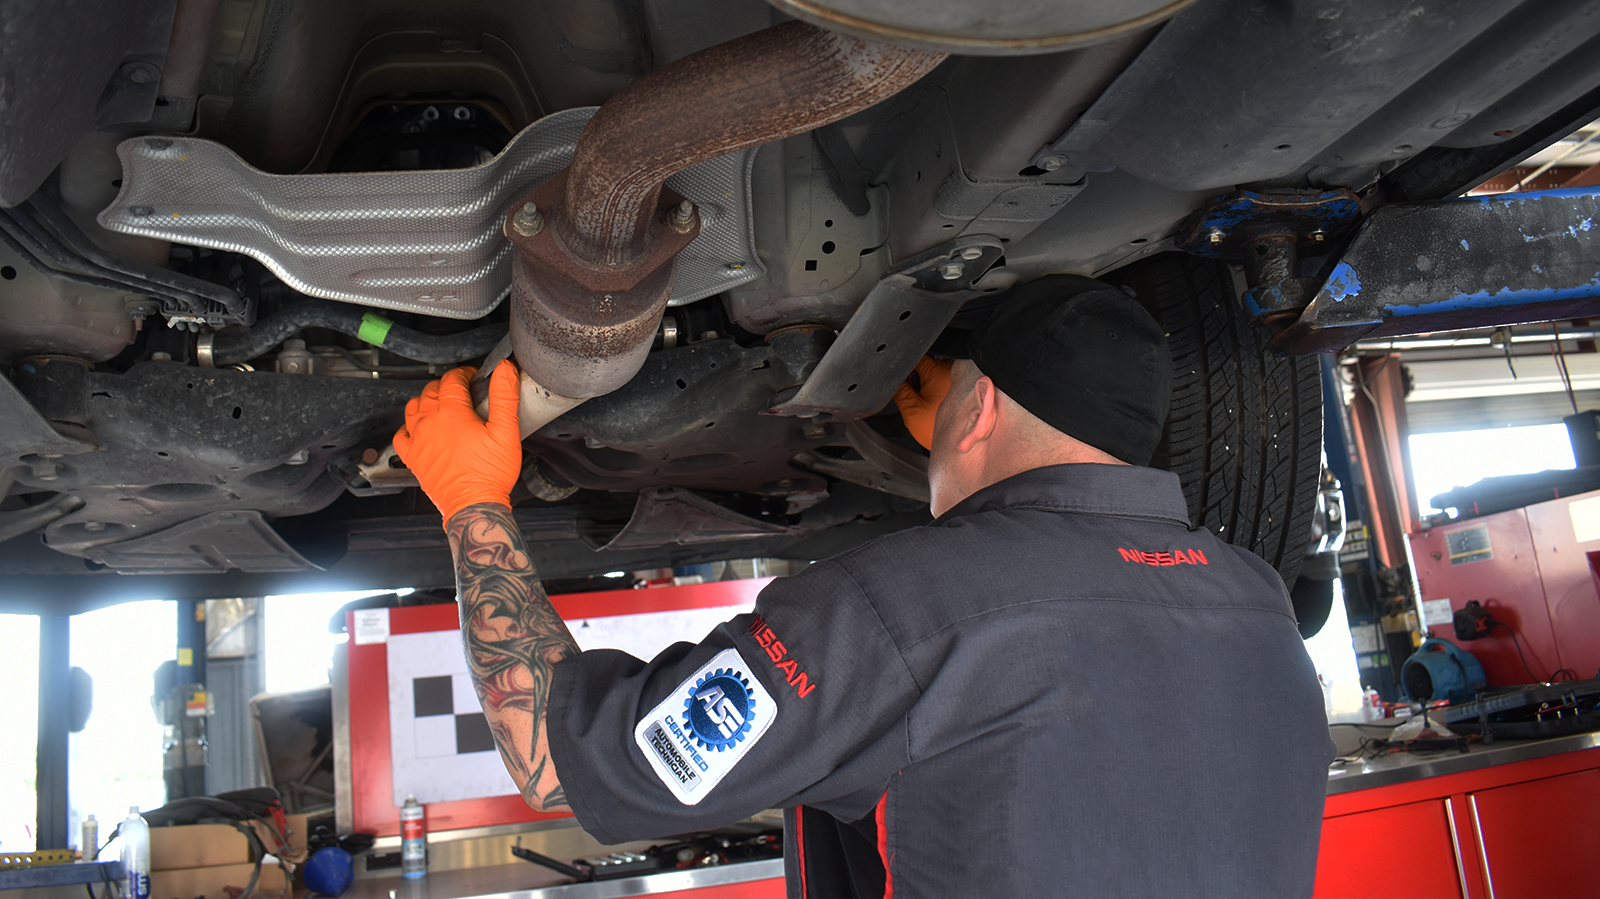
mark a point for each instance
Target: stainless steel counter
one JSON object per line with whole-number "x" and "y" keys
{"x": 526, "y": 881}
{"x": 1400, "y": 767}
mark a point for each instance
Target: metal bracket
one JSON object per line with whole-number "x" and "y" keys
{"x": 1451, "y": 264}
{"x": 897, "y": 322}
{"x": 220, "y": 541}
{"x": 386, "y": 473}
{"x": 1266, "y": 232}
{"x": 666, "y": 515}
{"x": 28, "y": 436}
{"x": 884, "y": 465}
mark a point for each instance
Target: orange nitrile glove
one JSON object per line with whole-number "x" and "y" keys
{"x": 458, "y": 458}
{"x": 918, "y": 404}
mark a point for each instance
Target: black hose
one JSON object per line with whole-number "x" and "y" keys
{"x": 46, "y": 209}
{"x": 29, "y": 257}
{"x": 25, "y": 235}
{"x": 267, "y": 333}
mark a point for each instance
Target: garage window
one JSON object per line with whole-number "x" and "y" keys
{"x": 1445, "y": 460}
{"x": 115, "y": 762}
{"x": 299, "y": 647}
{"x": 19, "y": 671}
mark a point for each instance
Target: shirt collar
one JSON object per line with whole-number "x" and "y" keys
{"x": 1126, "y": 491}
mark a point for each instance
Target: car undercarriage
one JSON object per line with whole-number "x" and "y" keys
{"x": 237, "y": 235}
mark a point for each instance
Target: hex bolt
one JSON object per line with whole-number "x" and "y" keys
{"x": 1050, "y": 163}
{"x": 46, "y": 470}
{"x": 681, "y": 220}
{"x": 972, "y": 253}
{"x": 951, "y": 270}
{"x": 300, "y": 457}
{"x": 1215, "y": 237}
{"x": 528, "y": 221}
{"x": 140, "y": 72}
{"x": 1319, "y": 235}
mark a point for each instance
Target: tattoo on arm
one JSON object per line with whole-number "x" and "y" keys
{"x": 513, "y": 639}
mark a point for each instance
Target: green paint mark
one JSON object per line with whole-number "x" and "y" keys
{"x": 374, "y": 328}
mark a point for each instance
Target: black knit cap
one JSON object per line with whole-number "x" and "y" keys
{"x": 1085, "y": 358}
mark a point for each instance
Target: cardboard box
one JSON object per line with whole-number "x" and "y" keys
{"x": 212, "y": 881}
{"x": 197, "y": 846}
{"x": 208, "y": 845}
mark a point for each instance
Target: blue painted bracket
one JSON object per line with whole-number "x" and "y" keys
{"x": 1452, "y": 264}
{"x": 1223, "y": 226}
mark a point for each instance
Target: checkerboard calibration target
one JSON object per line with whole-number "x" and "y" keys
{"x": 448, "y": 718}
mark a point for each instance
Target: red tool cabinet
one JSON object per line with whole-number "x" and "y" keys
{"x": 1523, "y": 829}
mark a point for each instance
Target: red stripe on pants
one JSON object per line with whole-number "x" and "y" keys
{"x": 883, "y": 845}
{"x": 800, "y": 848}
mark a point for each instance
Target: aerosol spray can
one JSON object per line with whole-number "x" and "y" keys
{"x": 89, "y": 846}
{"x": 135, "y": 836}
{"x": 413, "y": 840}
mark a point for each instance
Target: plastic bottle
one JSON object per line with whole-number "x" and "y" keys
{"x": 89, "y": 846}
{"x": 135, "y": 856}
{"x": 413, "y": 840}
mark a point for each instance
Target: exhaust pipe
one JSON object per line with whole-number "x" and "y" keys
{"x": 595, "y": 247}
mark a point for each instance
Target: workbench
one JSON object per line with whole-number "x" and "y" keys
{"x": 468, "y": 864}
{"x": 1512, "y": 818}
{"x": 746, "y": 880}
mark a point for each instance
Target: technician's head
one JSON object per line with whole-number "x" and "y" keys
{"x": 1068, "y": 369}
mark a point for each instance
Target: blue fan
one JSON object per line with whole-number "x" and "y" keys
{"x": 1441, "y": 670}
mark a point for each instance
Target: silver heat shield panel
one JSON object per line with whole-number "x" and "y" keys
{"x": 424, "y": 241}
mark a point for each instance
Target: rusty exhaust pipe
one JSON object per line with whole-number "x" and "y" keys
{"x": 595, "y": 247}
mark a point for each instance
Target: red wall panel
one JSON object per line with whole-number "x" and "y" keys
{"x": 1508, "y": 585}
{"x": 1568, "y": 571}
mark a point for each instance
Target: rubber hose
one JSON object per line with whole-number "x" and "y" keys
{"x": 52, "y": 215}
{"x": 357, "y": 322}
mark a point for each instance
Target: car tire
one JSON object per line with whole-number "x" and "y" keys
{"x": 1244, "y": 432}
{"x": 1313, "y": 603}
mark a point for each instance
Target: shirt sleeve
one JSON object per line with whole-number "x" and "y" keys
{"x": 804, "y": 700}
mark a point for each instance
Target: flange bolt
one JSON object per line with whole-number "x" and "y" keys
{"x": 528, "y": 221}
{"x": 951, "y": 270}
{"x": 682, "y": 219}
{"x": 1216, "y": 237}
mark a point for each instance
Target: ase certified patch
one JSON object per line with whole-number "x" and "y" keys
{"x": 703, "y": 728}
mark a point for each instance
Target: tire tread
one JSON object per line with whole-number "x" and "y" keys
{"x": 1244, "y": 432}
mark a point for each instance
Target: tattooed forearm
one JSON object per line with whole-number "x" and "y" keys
{"x": 513, "y": 639}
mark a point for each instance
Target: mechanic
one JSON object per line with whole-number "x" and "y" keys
{"x": 1055, "y": 688}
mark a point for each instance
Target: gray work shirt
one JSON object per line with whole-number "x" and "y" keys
{"x": 1055, "y": 689}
